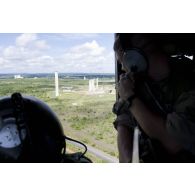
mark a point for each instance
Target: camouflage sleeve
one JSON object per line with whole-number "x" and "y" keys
{"x": 181, "y": 123}
{"x": 124, "y": 116}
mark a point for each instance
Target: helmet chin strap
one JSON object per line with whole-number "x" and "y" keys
{"x": 18, "y": 106}
{"x": 21, "y": 125}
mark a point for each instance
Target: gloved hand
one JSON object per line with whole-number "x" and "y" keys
{"x": 124, "y": 116}
{"x": 126, "y": 86}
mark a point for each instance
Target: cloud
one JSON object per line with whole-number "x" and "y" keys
{"x": 41, "y": 61}
{"x": 19, "y": 53}
{"x": 88, "y": 48}
{"x": 79, "y": 36}
{"x": 25, "y": 39}
{"x": 26, "y": 54}
{"x": 9, "y": 51}
{"x": 41, "y": 44}
{"x": 32, "y": 54}
{"x": 3, "y": 62}
{"x": 88, "y": 57}
{"x": 26, "y": 46}
{"x": 30, "y": 40}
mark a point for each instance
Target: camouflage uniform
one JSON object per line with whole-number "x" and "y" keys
{"x": 176, "y": 95}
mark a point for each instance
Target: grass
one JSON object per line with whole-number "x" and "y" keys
{"x": 86, "y": 117}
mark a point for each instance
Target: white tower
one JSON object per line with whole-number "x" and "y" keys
{"x": 56, "y": 84}
{"x": 91, "y": 85}
{"x": 96, "y": 83}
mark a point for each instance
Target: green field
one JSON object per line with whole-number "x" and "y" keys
{"x": 86, "y": 117}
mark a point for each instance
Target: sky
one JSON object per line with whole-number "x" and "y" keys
{"x": 49, "y": 52}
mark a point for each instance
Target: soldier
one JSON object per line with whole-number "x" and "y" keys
{"x": 158, "y": 92}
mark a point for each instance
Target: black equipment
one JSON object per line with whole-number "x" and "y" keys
{"x": 31, "y": 132}
{"x": 134, "y": 60}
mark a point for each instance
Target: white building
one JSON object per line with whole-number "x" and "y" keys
{"x": 18, "y": 76}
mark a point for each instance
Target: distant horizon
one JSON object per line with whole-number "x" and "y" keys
{"x": 20, "y": 73}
